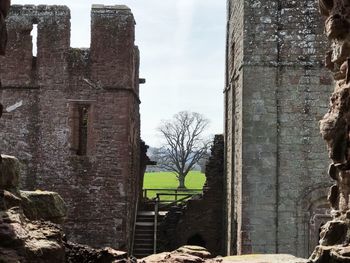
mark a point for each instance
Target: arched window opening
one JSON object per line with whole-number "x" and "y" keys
{"x": 196, "y": 240}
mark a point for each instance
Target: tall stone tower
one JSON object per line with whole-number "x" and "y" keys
{"x": 276, "y": 92}
{"x": 76, "y": 128}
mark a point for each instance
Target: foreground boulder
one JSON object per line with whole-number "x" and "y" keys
{"x": 195, "y": 254}
{"x": 76, "y": 253}
{"x": 24, "y": 241}
{"x": 262, "y": 259}
{"x": 185, "y": 254}
{"x": 42, "y": 205}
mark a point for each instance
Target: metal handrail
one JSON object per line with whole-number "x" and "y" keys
{"x": 172, "y": 202}
{"x": 157, "y": 206}
{"x": 175, "y": 190}
{"x": 156, "y": 211}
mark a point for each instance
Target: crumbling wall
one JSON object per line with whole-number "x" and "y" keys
{"x": 274, "y": 153}
{"x": 200, "y": 221}
{"x": 78, "y": 129}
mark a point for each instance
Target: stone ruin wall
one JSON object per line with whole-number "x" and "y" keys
{"x": 200, "y": 220}
{"x": 276, "y": 92}
{"x": 99, "y": 185}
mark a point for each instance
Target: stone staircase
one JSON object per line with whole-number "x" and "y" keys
{"x": 144, "y": 233}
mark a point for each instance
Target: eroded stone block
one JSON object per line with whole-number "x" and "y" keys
{"x": 43, "y": 205}
{"x": 9, "y": 172}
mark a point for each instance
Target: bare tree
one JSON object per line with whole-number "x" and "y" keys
{"x": 184, "y": 143}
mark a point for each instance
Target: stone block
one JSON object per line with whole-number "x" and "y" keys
{"x": 264, "y": 258}
{"x": 41, "y": 205}
{"x": 8, "y": 200}
{"x": 9, "y": 172}
{"x": 195, "y": 251}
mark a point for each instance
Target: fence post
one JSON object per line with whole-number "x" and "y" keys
{"x": 176, "y": 195}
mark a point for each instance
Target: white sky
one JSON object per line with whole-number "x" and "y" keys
{"x": 182, "y": 45}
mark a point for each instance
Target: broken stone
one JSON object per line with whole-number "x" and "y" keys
{"x": 172, "y": 257}
{"x": 195, "y": 251}
{"x": 76, "y": 253}
{"x": 9, "y": 172}
{"x": 8, "y": 200}
{"x": 333, "y": 232}
{"x": 282, "y": 258}
{"x": 42, "y": 205}
{"x": 32, "y": 241}
{"x": 335, "y": 235}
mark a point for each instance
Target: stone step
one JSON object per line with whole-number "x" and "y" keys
{"x": 144, "y": 232}
{"x": 143, "y": 246}
{"x": 143, "y": 241}
{"x": 151, "y": 213}
{"x": 144, "y": 224}
{"x": 143, "y": 252}
{"x": 144, "y": 236}
{"x": 143, "y": 219}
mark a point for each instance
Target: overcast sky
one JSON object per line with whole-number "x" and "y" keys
{"x": 182, "y": 45}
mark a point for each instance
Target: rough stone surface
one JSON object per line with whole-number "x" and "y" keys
{"x": 263, "y": 259}
{"x": 195, "y": 251}
{"x": 9, "y": 172}
{"x": 73, "y": 119}
{"x": 76, "y": 253}
{"x": 25, "y": 241}
{"x": 276, "y": 91}
{"x": 191, "y": 255}
{"x": 188, "y": 254}
{"x": 199, "y": 222}
{"x": 41, "y": 205}
{"x": 334, "y": 244}
{"x": 4, "y": 8}
{"x": 22, "y": 240}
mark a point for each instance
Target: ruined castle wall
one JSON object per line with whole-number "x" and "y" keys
{"x": 284, "y": 95}
{"x": 97, "y": 180}
{"x": 199, "y": 221}
{"x": 302, "y": 99}
{"x": 233, "y": 120}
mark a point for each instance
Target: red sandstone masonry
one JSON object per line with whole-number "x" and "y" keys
{"x": 100, "y": 188}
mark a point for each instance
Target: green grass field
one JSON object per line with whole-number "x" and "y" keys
{"x": 168, "y": 180}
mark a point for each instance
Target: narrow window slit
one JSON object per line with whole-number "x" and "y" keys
{"x": 83, "y": 129}
{"x": 34, "y": 35}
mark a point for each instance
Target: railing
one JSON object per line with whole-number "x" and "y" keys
{"x": 134, "y": 227}
{"x": 163, "y": 204}
{"x": 170, "y": 192}
{"x": 156, "y": 211}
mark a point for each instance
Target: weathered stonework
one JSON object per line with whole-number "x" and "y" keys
{"x": 4, "y": 9}
{"x": 77, "y": 126}
{"x": 199, "y": 222}
{"x": 276, "y": 92}
{"x": 334, "y": 244}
